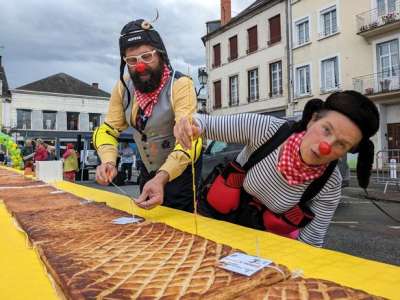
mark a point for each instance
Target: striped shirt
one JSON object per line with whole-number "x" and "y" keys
{"x": 264, "y": 181}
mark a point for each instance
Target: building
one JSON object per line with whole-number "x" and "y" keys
{"x": 57, "y": 108}
{"x": 5, "y": 94}
{"x": 246, "y": 59}
{"x": 339, "y": 45}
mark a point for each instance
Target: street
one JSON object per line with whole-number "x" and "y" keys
{"x": 358, "y": 227}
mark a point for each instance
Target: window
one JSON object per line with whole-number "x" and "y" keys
{"x": 94, "y": 121}
{"x": 330, "y": 74}
{"x": 303, "y": 81}
{"x": 253, "y": 85}
{"x": 386, "y": 6}
{"x": 24, "y": 119}
{"x": 388, "y": 58}
{"x": 233, "y": 48}
{"x": 302, "y": 31}
{"x": 274, "y": 30}
{"x": 72, "y": 121}
{"x": 252, "y": 38}
{"x": 328, "y": 20}
{"x": 217, "y": 56}
{"x": 388, "y": 66}
{"x": 234, "y": 90}
{"x": 217, "y": 94}
{"x": 49, "y": 120}
{"x": 275, "y": 79}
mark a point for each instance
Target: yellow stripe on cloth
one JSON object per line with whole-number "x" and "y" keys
{"x": 22, "y": 274}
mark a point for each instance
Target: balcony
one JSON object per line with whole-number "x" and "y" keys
{"x": 375, "y": 22}
{"x": 383, "y": 83}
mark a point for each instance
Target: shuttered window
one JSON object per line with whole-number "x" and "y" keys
{"x": 217, "y": 94}
{"x": 252, "y": 37}
{"x": 217, "y": 55}
{"x": 233, "y": 48}
{"x": 274, "y": 29}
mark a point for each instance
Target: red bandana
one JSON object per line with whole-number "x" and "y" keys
{"x": 292, "y": 167}
{"x": 147, "y": 101}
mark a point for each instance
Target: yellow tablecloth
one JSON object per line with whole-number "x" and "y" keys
{"x": 22, "y": 276}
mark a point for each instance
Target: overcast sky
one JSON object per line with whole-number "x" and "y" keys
{"x": 80, "y": 37}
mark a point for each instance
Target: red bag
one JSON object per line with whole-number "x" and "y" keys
{"x": 224, "y": 192}
{"x": 291, "y": 220}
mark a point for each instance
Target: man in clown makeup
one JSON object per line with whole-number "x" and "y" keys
{"x": 150, "y": 100}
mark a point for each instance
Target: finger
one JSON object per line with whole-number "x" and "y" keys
{"x": 152, "y": 202}
{"x": 142, "y": 197}
{"x": 100, "y": 176}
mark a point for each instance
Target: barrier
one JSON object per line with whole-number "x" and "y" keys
{"x": 387, "y": 164}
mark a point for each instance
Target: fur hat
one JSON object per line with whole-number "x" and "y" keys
{"x": 359, "y": 109}
{"x": 135, "y": 33}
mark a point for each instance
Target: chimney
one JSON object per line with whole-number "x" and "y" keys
{"x": 225, "y": 11}
{"x": 95, "y": 85}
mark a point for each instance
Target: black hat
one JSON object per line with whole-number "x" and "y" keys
{"x": 135, "y": 33}
{"x": 363, "y": 112}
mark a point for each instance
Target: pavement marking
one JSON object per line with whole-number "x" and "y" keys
{"x": 345, "y": 222}
{"x": 394, "y": 227}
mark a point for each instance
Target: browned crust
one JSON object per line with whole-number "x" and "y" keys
{"x": 307, "y": 289}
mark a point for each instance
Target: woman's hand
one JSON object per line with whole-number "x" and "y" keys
{"x": 105, "y": 173}
{"x": 185, "y": 131}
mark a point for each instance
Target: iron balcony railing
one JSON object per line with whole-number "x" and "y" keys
{"x": 378, "y": 17}
{"x": 382, "y": 82}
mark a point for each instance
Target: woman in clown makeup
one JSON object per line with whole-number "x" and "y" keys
{"x": 279, "y": 184}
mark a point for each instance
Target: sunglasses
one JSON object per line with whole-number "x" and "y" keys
{"x": 146, "y": 57}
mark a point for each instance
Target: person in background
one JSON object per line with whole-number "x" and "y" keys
{"x": 70, "y": 159}
{"x": 28, "y": 153}
{"x": 126, "y": 154}
{"x": 2, "y": 157}
{"x": 51, "y": 152}
{"x": 40, "y": 151}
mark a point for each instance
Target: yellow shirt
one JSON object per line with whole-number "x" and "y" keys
{"x": 183, "y": 104}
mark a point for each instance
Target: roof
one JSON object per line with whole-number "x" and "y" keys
{"x": 63, "y": 84}
{"x": 247, "y": 11}
{"x": 5, "y": 92}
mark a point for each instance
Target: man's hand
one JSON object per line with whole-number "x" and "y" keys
{"x": 186, "y": 131}
{"x": 153, "y": 191}
{"x": 105, "y": 173}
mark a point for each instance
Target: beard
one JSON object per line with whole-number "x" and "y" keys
{"x": 151, "y": 84}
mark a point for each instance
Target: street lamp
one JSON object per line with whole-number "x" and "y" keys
{"x": 203, "y": 77}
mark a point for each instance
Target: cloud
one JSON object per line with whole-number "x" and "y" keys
{"x": 80, "y": 38}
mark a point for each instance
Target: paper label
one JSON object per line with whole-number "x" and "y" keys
{"x": 127, "y": 220}
{"x": 243, "y": 264}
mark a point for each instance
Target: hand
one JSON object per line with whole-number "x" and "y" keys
{"x": 105, "y": 173}
{"x": 186, "y": 131}
{"x": 153, "y": 191}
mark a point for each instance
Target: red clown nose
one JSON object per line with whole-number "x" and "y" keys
{"x": 140, "y": 67}
{"x": 324, "y": 148}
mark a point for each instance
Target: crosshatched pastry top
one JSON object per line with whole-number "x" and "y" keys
{"x": 91, "y": 258}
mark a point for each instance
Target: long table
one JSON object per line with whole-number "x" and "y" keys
{"x": 23, "y": 276}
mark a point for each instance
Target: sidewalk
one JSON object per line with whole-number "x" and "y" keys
{"x": 375, "y": 190}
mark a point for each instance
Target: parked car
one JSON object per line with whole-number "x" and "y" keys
{"x": 218, "y": 152}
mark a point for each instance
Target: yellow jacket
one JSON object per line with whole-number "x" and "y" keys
{"x": 183, "y": 103}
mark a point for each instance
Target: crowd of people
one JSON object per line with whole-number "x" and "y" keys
{"x": 37, "y": 150}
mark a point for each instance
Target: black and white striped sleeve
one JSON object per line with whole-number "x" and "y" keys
{"x": 323, "y": 207}
{"x": 246, "y": 129}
